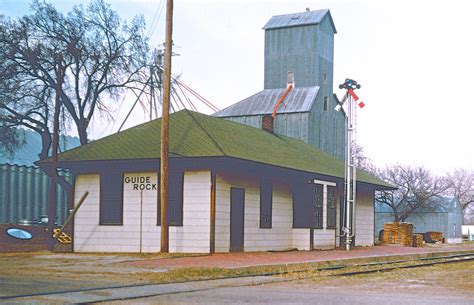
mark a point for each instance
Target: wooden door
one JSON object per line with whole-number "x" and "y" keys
{"x": 237, "y": 209}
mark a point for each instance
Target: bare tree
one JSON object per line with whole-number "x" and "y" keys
{"x": 461, "y": 186}
{"x": 23, "y": 102}
{"x": 11, "y": 139}
{"x": 362, "y": 161}
{"x": 417, "y": 189}
{"x": 100, "y": 55}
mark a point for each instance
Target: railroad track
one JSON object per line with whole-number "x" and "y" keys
{"x": 313, "y": 272}
{"x": 402, "y": 264}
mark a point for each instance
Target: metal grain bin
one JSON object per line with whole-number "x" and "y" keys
{"x": 24, "y": 194}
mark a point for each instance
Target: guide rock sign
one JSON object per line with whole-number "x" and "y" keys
{"x": 141, "y": 183}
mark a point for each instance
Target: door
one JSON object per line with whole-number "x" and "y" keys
{"x": 237, "y": 199}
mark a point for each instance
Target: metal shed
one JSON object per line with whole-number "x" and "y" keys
{"x": 446, "y": 218}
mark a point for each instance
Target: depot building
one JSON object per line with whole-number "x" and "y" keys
{"x": 240, "y": 180}
{"x": 231, "y": 188}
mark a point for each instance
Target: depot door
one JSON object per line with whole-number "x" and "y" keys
{"x": 237, "y": 199}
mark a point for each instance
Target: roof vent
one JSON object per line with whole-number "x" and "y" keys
{"x": 295, "y": 17}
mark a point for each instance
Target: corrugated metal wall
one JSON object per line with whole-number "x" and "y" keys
{"x": 308, "y": 52}
{"x": 455, "y": 219}
{"x": 447, "y": 222}
{"x": 293, "y": 125}
{"x": 24, "y": 194}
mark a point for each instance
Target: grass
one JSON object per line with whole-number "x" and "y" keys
{"x": 441, "y": 279}
{"x": 103, "y": 268}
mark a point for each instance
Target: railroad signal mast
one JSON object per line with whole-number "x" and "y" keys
{"x": 351, "y": 100}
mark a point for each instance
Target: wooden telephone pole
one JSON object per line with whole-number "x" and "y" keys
{"x": 165, "y": 130}
{"x": 54, "y": 159}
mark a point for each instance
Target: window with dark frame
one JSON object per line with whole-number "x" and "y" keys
{"x": 318, "y": 201}
{"x": 266, "y": 202}
{"x": 111, "y": 199}
{"x": 331, "y": 207}
{"x": 325, "y": 106}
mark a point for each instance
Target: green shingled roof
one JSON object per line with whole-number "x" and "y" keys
{"x": 194, "y": 134}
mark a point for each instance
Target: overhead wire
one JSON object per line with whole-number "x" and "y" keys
{"x": 187, "y": 98}
{"x": 200, "y": 97}
{"x": 119, "y": 109}
{"x": 180, "y": 85}
{"x": 191, "y": 104}
{"x": 134, "y": 104}
{"x": 194, "y": 93}
{"x": 156, "y": 18}
{"x": 173, "y": 96}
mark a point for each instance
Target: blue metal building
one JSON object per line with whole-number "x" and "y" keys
{"x": 24, "y": 194}
{"x": 446, "y": 217}
{"x": 301, "y": 43}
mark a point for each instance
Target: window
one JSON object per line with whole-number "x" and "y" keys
{"x": 325, "y": 78}
{"x": 325, "y": 104}
{"x": 331, "y": 207}
{"x": 318, "y": 201}
{"x": 309, "y": 202}
{"x": 266, "y": 199}
{"x": 175, "y": 199}
{"x": 111, "y": 199}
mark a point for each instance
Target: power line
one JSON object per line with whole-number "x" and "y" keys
{"x": 156, "y": 18}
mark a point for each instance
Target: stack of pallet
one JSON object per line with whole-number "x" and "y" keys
{"x": 405, "y": 233}
{"x": 418, "y": 240}
{"x": 387, "y": 233}
{"x": 436, "y": 236}
{"x": 395, "y": 232}
{"x": 398, "y": 233}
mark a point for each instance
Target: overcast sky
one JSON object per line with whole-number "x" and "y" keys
{"x": 414, "y": 59}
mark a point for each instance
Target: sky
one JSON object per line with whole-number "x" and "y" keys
{"x": 412, "y": 58}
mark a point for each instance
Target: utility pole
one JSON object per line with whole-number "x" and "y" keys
{"x": 54, "y": 159}
{"x": 152, "y": 91}
{"x": 165, "y": 130}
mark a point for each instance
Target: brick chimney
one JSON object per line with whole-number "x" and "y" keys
{"x": 267, "y": 123}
